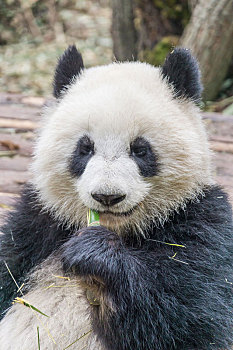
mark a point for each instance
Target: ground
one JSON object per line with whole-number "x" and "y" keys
{"x": 19, "y": 119}
{"x": 26, "y": 62}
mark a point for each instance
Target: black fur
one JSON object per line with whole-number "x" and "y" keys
{"x": 30, "y": 235}
{"x": 158, "y": 301}
{"x": 70, "y": 65}
{"x": 81, "y": 156}
{"x": 144, "y": 157}
{"x": 153, "y": 299}
{"x": 181, "y": 70}
{"x": 140, "y": 151}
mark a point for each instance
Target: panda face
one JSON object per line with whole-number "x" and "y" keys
{"x": 116, "y": 187}
{"x": 120, "y": 143}
{"x": 112, "y": 182}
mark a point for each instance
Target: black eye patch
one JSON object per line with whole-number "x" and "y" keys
{"x": 147, "y": 161}
{"x": 81, "y": 156}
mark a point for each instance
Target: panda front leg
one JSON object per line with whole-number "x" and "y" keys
{"x": 146, "y": 301}
{"x": 128, "y": 315}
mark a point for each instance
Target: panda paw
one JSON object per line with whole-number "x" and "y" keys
{"x": 91, "y": 251}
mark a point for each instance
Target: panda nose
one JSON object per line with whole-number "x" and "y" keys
{"x": 108, "y": 200}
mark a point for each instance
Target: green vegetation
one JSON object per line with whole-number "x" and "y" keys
{"x": 177, "y": 10}
{"x": 157, "y": 55}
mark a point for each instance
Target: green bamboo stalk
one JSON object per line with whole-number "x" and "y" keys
{"x": 93, "y": 218}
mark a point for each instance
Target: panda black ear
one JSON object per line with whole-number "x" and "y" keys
{"x": 182, "y": 71}
{"x": 69, "y": 66}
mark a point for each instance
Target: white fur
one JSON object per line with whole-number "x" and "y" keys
{"x": 67, "y": 307}
{"x": 113, "y": 105}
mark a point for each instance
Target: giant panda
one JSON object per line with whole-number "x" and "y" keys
{"x": 127, "y": 141}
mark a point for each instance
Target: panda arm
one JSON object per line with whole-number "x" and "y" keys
{"x": 151, "y": 296}
{"x": 132, "y": 292}
{"x": 29, "y": 236}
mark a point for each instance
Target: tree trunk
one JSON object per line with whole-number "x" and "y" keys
{"x": 154, "y": 25}
{"x": 192, "y": 4}
{"x": 123, "y": 30}
{"x": 209, "y": 35}
{"x": 54, "y": 22}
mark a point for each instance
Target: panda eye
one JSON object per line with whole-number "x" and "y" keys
{"x": 144, "y": 156}
{"x": 139, "y": 151}
{"x": 85, "y": 150}
{"x": 139, "y": 148}
{"x": 86, "y": 146}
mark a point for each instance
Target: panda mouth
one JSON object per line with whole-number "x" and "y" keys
{"x": 121, "y": 214}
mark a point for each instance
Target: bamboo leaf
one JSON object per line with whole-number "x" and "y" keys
{"x": 26, "y": 303}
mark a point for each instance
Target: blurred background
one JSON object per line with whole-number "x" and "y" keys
{"x": 33, "y": 33}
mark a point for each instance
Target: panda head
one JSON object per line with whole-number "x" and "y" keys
{"x": 125, "y": 139}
